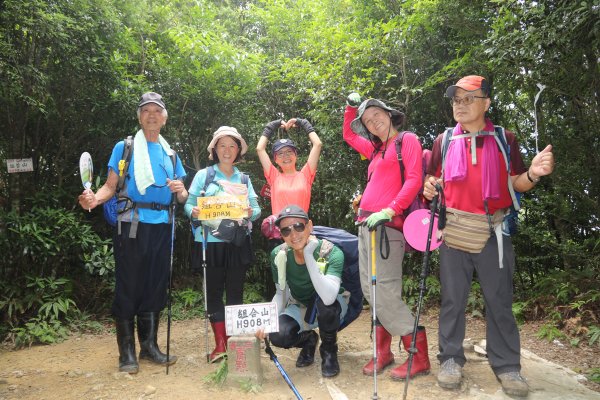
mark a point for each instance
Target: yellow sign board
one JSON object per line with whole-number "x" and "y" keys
{"x": 223, "y": 207}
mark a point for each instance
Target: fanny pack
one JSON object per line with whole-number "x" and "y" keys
{"x": 468, "y": 231}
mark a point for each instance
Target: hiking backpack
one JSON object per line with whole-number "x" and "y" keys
{"x": 210, "y": 178}
{"x": 348, "y": 243}
{"x": 509, "y": 225}
{"x": 110, "y": 207}
{"x": 418, "y": 202}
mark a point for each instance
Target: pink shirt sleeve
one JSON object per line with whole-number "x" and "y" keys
{"x": 354, "y": 140}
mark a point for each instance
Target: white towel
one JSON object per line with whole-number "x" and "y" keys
{"x": 142, "y": 168}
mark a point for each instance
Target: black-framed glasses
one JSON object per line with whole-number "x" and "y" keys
{"x": 298, "y": 227}
{"x": 466, "y": 100}
{"x": 162, "y": 166}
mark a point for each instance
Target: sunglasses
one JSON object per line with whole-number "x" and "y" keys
{"x": 298, "y": 227}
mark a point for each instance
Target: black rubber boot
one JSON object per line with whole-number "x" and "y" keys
{"x": 307, "y": 340}
{"x": 329, "y": 362}
{"x": 126, "y": 341}
{"x": 147, "y": 325}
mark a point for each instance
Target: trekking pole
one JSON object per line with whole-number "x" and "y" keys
{"x": 424, "y": 272}
{"x": 204, "y": 239}
{"x": 374, "y": 309}
{"x": 173, "y": 207}
{"x": 287, "y": 379}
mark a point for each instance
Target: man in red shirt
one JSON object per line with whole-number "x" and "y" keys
{"x": 476, "y": 186}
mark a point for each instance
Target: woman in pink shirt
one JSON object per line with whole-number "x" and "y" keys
{"x": 371, "y": 129}
{"x": 288, "y": 185}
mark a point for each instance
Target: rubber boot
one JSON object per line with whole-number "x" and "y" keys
{"x": 420, "y": 364}
{"x": 220, "y": 339}
{"x": 384, "y": 353}
{"x": 308, "y": 342}
{"x": 126, "y": 342}
{"x": 147, "y": 325}
{"x": 328, "y": 349}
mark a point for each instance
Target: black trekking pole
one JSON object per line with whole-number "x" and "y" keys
{"x": 423, "y": 286}
{"x": 173, "y": 207}
{"x": 287, "y": 379}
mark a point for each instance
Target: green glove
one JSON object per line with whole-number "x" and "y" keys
{"x": 353, "y": 99}
{"x": 377, "y": 219}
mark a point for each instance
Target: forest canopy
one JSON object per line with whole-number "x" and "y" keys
{"x": 71, "y": 73}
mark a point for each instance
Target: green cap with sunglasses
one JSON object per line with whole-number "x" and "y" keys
{"x": 291, "y": 211}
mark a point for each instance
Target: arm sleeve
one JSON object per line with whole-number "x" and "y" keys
{"x": 279, "y": 299}
{"x": 253, "y": 200}
{"x": 194, "y": 192}
{"x": 326, "y": 286}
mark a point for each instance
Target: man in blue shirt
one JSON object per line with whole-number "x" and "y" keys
{"x": 142, "y": 253}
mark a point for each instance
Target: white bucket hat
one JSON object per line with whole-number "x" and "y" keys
{"x": 226, "y": 131}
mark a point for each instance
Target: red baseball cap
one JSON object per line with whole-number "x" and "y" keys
{"x": 470, "y": 83}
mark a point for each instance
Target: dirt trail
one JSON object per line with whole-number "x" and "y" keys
{"x": 85, "y": 368}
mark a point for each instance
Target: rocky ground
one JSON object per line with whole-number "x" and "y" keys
{"x": 85, "y": 367}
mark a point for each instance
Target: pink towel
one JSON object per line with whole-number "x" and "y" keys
{"x": 457, "y": 158}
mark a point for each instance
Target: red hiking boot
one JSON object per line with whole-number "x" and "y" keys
{"x": 384, "y": 354}
{"x": 420, "y": 364}
{"x": 220, "y": 339}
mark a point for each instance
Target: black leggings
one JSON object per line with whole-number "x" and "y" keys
{"x": 227, "y": 265}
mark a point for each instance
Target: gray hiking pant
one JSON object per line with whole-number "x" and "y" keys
{"x": 392, "y": 311}
{"x": 456, "y": 274}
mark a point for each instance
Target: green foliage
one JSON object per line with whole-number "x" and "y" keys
{"x": 594, "y": 335}
{"x": 218, "y": 376}
{"x": 39, "y": 330}
{"x": 250, "y": 386}
{"x": 186, "y": 304}
{"x": 100, "y": 261}
{"x": 48, "y": 299}
{"x": 254, "y": 292}
{"x": 550, "y": 332}
{"x": 475, "y": 301}
{"x": 518, "y": 309}
{"x": 593, "y": 374}
{"x": 411, "y": 287}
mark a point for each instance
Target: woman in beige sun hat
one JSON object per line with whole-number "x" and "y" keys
{"x": 228, "y": 251}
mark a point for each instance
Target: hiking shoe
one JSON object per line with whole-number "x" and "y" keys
{"x": 450, "y": 374}
{"x": 513, "y": 384}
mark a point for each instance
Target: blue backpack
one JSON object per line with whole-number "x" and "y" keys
{"x": 348, "y": 243}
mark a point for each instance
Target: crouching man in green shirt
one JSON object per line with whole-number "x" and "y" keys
{"x": 308, "y": 275}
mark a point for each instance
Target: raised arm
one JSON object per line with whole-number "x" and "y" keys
{"x": 317, "y": 145}
{"x": 261, "y": 147}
